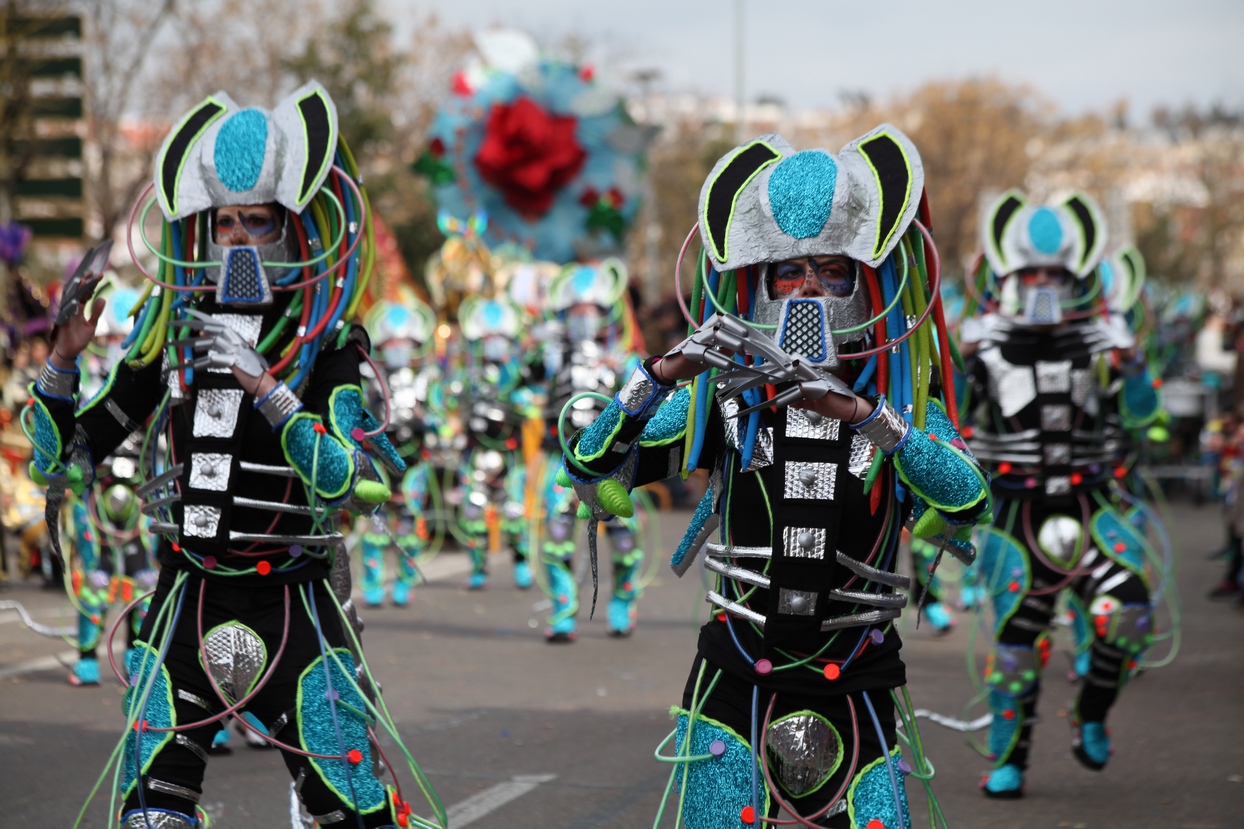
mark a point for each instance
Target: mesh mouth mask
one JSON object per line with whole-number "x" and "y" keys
{"x": 246, "y": 273}
{"x": 806, "y": 325}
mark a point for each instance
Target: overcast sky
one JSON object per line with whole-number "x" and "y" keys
{"x": 1083, "y": 54}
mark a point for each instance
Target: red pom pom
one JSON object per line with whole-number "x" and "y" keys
{"x": 263, "y": 568}
{"x": 1157, "y": 382}
{"x": 748, "y": 814}
{"x": 832, "y": 672}
{"x": 319, "y": 427}
{"x": 1004, "y": 468}
{"x": 1076, "y": 478}
{"x": 354, "y": 756}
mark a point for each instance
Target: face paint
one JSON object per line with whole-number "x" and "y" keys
{"x": 833, "y": 275}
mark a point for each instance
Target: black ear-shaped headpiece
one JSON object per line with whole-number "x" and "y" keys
{"x": 723, "y": 193}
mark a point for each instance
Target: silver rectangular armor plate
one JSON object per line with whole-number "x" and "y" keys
{"x": 1056, "y": 418}
{"x": 804, "y": 542}
{"x": 810, "y": 480}
{"x": 210, "y": 470}
{"x": 216, "y": 412}
{"x": 1053, "y": 377}
{"x": 810, "y": 425}
{"x": 201, "y": 521}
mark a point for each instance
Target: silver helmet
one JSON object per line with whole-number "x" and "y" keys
{"x": 764, "y": 204}
{"x": 1065, "y": 237}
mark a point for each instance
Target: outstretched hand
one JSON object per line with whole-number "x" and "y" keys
{"x": 72, "y": 335}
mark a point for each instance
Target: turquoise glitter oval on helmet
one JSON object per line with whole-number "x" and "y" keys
{"x": 1045, "y": 230}
{"x": 801, "y": 192}
{"x": 240, "y": 150}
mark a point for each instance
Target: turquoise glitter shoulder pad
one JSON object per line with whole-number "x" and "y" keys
{"x": 936, "y": 464}
{"x": 320, "y": 459}
{"x": 350, "y": 419}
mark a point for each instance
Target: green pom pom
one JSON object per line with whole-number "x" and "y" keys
{"x": 562, "y": 478}
{"x": 614, "y": 498}
{"x": 929, "y": 525}
{"x": 76, "y": 480}
{"x": 36, "y": 475}
{"x": 1159, "y": 434}
{"x": 372, "y": 492}
{"x": 583, "y": 511}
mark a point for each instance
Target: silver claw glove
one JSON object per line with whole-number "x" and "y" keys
{"x": 221, "y": 346}
{"x": 725, "y": 331}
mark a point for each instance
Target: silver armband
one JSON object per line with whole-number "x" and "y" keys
{"x": 54, "y": 382}
{"x": 279, "y": 405}
{"x": 642, "y": 394}
{"x": 885, "y": 428}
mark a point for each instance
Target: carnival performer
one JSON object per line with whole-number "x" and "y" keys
{"x": 1056, "y": 383}
{"x": 497, "y": 400}
{"x": 246, "y": 365}
{"x": 587, "y": 357}
{"x": 403, "y": 332}
{"x": 111, "y": 557}
{"x": 112, "y": 560}
{"x": 825, "y": 433}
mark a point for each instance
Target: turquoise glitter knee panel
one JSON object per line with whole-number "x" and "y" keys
{"x": 317, "y": 733}
{"x": 717, "y": 786}
{"x": 158, "y": 712}
{"x": 872, "y": 795}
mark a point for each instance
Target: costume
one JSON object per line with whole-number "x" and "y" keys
{"x": 403, "y": 334}
{"x": 496, "y": 401}
{"x": 790, "y": 699}
{"x": 252, "y": 610}
{"x": 1055, "y": 391}
{"x": 588, "y": 352}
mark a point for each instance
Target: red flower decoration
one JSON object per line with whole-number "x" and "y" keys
{"x": 529, "y": 155}
{"x": 437, "y": 147}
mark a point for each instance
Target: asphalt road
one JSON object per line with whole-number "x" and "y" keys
{"x": 521, "y": 734}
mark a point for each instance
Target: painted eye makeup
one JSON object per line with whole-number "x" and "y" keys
{"x": 254, "y": 224}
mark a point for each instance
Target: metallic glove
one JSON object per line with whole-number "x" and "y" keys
{"x": 81, "y": 285}
{"x": 221, "y": 346}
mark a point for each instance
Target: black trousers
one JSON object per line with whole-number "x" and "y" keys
{"x": 263, "y": 611}
{"x": 730, "y": 703}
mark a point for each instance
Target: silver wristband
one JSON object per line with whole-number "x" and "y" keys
{"x": 884, "y": 428}
{"x": 54, "y": 382}
{"x": 279, "y": 405}
{"x": 642, "y": 393}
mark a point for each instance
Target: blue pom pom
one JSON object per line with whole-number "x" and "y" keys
{"x": 240, "y": 150}
{"x": 801, "y": 193}
{"x": 1045, "y": 230}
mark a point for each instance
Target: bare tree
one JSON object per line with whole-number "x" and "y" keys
{"x": 120, "y": 38}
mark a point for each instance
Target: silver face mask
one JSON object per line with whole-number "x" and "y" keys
{"x": 806, "y": 325}
{"x": 583, "y": 327}
{"x": 398, "y": 356}
{"x": 496, "y": 349}
{"x": 1034, "y": 305}
{"x": 246, "y": 281}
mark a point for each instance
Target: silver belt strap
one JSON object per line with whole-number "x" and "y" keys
{"x": 713, "y": 597}
{"x": 173, "y": 789}
{"x": 735, "y": 572}
{"x": 870, "y": 617}
{"x": 864, "y": 571}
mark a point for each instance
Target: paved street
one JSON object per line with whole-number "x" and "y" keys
{"x": 520, "y": 734}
